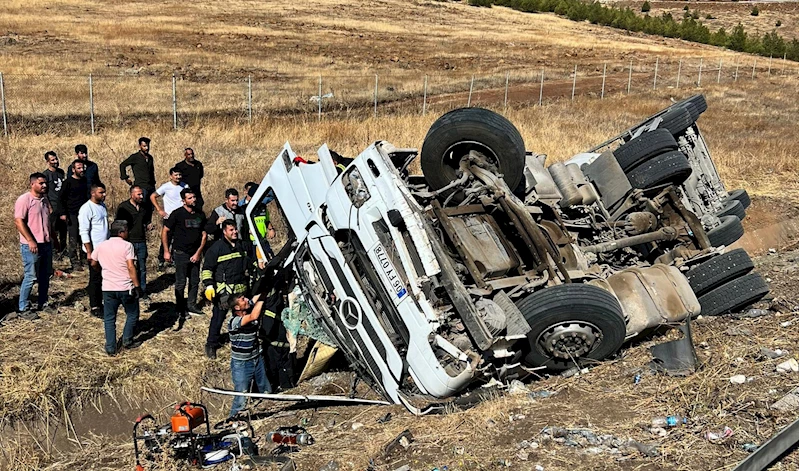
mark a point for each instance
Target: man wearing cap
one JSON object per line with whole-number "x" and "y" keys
{"x": 90, "y": 169}
{"x": 143, "y": 167}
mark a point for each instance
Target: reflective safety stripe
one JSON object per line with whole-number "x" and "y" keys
{"x": 279, "y": 344}
{"x": 230, "y": 256}
{"x": 260, "y": 226}
{"x": 232, "y": 289}
{"x": 206, "y": 275}
{"x": 341, "y": 167}
{"x": 269, "y": 313}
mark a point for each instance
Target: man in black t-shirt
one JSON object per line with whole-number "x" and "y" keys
{"x": 74, "y": 194}
{"x": 193, "y": 173}
{"x": 55, "y": 184}
{"x": 139, "y": 222}
{"x": 187, "y": 228}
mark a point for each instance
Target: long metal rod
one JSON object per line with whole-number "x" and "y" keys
{"x": 541, "y": 90}
{"x": 655, "y": 80}
{"x": 3, "y": 100}
{"x": 679, "y": 70}
{"x": 574, "y": 82}
{"x": 91, "y": 101}
{"x": 471, "y": 88}
{"x": 424, "y": 100}
{"x": 174, "y": 103}
{"x": 770, "y": 451}
{"x": 754, "y": 65}
{"x": 507, "y": 82}
{"x": 604, "y": 74}
{"x": 249, "y": 99}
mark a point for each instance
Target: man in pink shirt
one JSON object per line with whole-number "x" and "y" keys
{"x": 120, "y": 285}
{"x": 32, "y": 218}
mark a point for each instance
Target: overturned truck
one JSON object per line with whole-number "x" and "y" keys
{"x": 493, "y": 263}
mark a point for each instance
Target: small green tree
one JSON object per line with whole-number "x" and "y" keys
{"x": 755, "y": 11}
{"x": 685, "y": 8}
{"x": 710, "y": 17}
{"x": 778, "y": 23}
{"x": 646, "y": 7}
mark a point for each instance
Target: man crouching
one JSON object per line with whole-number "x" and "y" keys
{"x": 246, "y": 359}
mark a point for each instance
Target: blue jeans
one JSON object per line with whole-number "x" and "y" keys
{"x": 37, "y": 268}
{"x": 140, "y": 249}
{"x": 243, "y": 373}
{"x": 111, "y": 302}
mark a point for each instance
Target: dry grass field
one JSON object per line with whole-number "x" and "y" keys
{"x": 64, "y": 404}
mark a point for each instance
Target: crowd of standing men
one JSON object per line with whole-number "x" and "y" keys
{"x": 64, "y": 215}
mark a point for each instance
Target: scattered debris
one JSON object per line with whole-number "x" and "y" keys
{"x": 738, "y": 379}
{"x": 740, "y": 331}
{"x": 670, "y": 421}
{"x": 403, "y": 440}
{"x": 749, "y": 447}
{"x": 637, "y": 378}
{"x": 788, "y": 366}
{"x": 788, "y": 402}
{"x": 516, "y": 417}
{"x": 331, "y": 465}
{"x": 356, "y": 425}
{"x": 786, "y": 324}
{"x": 541, "y": 394}
{"x": 384, "y": 419}
{"x": 678, "y": 357}
{"x": 766, "y": 352}
{"x": 713, "y": 436}
{"x": 517, "y": 387}
{"x": 404, "y": 467}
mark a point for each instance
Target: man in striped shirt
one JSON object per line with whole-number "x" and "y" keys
{"x": 246, "y": 359}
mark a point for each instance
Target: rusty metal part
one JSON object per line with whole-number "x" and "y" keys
{"x": 694, "y": 224}
{"x": 664, "y": 233}
{"x": 678, "y": 357}
{"x": 640, "y": 222}
{"x": 459, "y": 244}
{"x": 651, "y": 296}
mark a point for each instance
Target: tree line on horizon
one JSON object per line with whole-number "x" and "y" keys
{"x": 687, "y": 28}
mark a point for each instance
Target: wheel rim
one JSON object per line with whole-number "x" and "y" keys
{"x": 456, "y": 152}
{"x": 570, "y": 339}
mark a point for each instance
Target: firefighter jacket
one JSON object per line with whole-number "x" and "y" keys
{"x": 226, "y": 266}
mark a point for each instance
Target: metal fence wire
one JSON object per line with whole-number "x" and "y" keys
{"x": 58, "y": 103}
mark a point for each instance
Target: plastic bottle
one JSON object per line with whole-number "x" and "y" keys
{"x": 289, "y": 438}
{"x": 669, "y": 421}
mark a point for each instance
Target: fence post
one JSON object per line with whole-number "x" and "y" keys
{"x": 679, "y": 70}
{"x": 424, "y": 100}
{"x": 471, "y": 87}
{"x": 3, "y": 100}
{"x": 91, "y": 101}
{"x": 604, "y": 73}
{"x": 784, "y": 56}
{"x": 319, "y": 105}
{"x": 541, "y": 90}
{"x": 507, "y": 82}
{"x": 630, "y": 77}
{"x": 718, "y": 77}
{"x": 574, "y": 82}
{"x": 375, "y": 95}
{"x": 249, "y": 99}
{"x": 655, "y": 80}
{"x": 754, "y": 64}
{"x": 174, "y": 103}
{"x": 699, "y": 79}
{"x": 769, "y": 66}
{"x": 737, "y": 63}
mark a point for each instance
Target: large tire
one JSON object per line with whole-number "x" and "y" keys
{"x": 740, "y": 195}
{"x": 732, "y": 208}
{"x": 733, "y": 295}
{"x": 727, "y": 233}
{"x": 572, "y": 321}
{"x": 649, "y": 144}
{"x": 677, "y": 119}
{"x": 454, "y": 134}
{"x": 718, "y": 270}
{"x": 671, "y": 167}
{"x": 696, "y": 105}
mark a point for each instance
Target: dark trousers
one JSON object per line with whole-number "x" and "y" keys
{"x": 95, "y": 288}
{"x": 113, "y": 299}
{"x": 280, "y": 365}
{"x": 140, "y": 248}
{"x": 58, "y": 234}
{"x": 74, "y": 251}
{"x": 185, "y": 269}
{"x": 161, "y": 247}
{"x": 215, "y": 329}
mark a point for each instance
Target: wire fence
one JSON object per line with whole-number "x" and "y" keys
{"x": 57, "y": 103}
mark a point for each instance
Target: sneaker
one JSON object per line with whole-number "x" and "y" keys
{"x": 28, "y": 315}
{"x": 131, "y": 344}
{"x": 210, "y": 352}
{"x": 111, "y": 353}
{"x": 195, "y": 311}
{"x": 46, "y": 308}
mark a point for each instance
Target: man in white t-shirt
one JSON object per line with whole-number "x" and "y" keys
{"x": 93, "y": 228}
{"x": 170, "y": 192}
{"x": 115, "y": 257}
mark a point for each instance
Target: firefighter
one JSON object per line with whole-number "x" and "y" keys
{"x": 225, "y": 273}
{"x": 279, "y": 359}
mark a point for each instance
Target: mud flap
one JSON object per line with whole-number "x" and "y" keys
{"x": 318, "y": 359}
{"x": 678, "y": 357}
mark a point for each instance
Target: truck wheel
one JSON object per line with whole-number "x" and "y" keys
{"x": 571, "y": 322}
{"x": 671, "y": 167}
{"x": 696, "y": 105}
{"x": 454, "y": 134}
{"x": 732, "y": 208}
{"x": 649, "y": 144}
{"x": 734, "y": 295}
{"x": 676, "y": 120}
{"x": 740, "y": 195}
{"x": 727, "y": 233}
{"x": 719, "y": 270}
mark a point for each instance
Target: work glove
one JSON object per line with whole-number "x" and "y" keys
{"x": 137, "y": 292}
{"x": 210, "y": 292}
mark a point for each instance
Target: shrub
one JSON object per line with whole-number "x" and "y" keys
{"x": 685, "y": 8}
{"x": 646, "y": 7}
{"x": 755, "y": 11}
{"x": 778, "y": 23}
{"x": 710, "y": 17}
